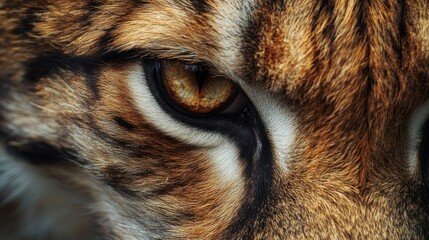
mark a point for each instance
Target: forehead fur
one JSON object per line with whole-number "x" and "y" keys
{"x": 207, "y": 31}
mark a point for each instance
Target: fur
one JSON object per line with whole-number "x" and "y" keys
{"x": 329, "y": 143}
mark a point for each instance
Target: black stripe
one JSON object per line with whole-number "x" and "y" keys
{"x": 251, "y": 39}
{"x": 40, "y": 152}
{"x": 53, "y": 63}
{"x": 200, "y": 6}
{"x": 91, "y": 72}
{"x": 105, "y": 41}
{"x": 322, "y": 12}
{"x": 106, "y": 137}
{"x": 92, "y": 8}
{"x": 196, "y": 7}
{"x": 44, "y": 65}
{"x": 5, "y": 88}
{"x": 361, "y": 24}
{"x": 29, "y": 20}
{"x": 136, "y": 3}
{"x": 119, "y": 179}
{"x": 401, "y": 15}
{"x": 167, "y": 188}
{"x": 123, "y": 123}
{"x": 245, "y": 129}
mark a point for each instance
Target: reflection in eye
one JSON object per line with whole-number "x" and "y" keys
{"x": 195, "y": 90}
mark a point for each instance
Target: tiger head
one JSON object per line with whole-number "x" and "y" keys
{"x": 180, "y": 119}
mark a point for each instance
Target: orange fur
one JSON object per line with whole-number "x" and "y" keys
{"x": 351, "y": 72}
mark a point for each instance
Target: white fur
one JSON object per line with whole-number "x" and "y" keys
{"x": 127, "y": 228}
{"x": 224, "y": 153}
{"x": 279, "y": 122}
{"x": 230, "y": 20}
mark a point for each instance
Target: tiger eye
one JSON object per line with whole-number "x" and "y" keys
{"x": 196, "y": 91}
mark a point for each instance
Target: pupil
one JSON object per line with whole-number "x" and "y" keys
{"x": 200, "y": 74}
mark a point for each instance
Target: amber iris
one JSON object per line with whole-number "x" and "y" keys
{"x": 194, "y": 89}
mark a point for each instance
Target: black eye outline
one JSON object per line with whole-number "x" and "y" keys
{"x": 234, "y": 103}
{"x": 424, "y": 158}
{"x": 243, "y": 125}
{"x": 245, "y": 128}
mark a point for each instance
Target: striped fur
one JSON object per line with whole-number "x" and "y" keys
{"x": 332, "y": 144}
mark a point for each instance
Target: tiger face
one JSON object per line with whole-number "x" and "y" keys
{"x": 214, "y": 119}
